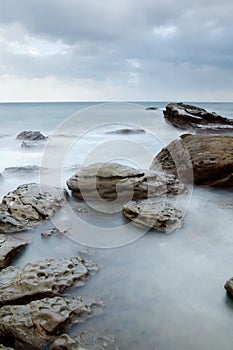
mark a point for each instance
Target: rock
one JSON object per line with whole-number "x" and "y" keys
{"x": 9, "y": 248}
{"x": 151, "y": 108}
{"x": 43, "y": 278}
{"x": 229, "y": 286}
{"x": 32, "y": 144}
{"x": 29, "y": 205}
{"x": 85, "y": 340}
{"x": 126, "y": 131}
{"x": 2, "y": 347}
{"x": 113, "y": 180}
{"x": 153, "y": 213}
{"x": 208, "y": 157}
{"x": 23, "y": 170}
{"x": 34, "y": 325}
{"x": 189, "y": 117}
{"x": 31, "y": 135}
{"x": 52, "y": 232}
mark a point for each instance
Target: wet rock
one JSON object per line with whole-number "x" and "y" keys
{"x": 151, "y": 108}
{"x": 113, "y": 181}
{"x": 126, "y": 131}
{"x": 34, "y": 325}
{"x": 88, "y": 340}
{"x": 2, "y": 347}
{"x": 208, "y": 158}
{"x": 189, "y": 117}
{"x": 32, "y": 144}
{"x": 43, "y": 278}
{"x": 154, "y": 213}
{"x": 10, "y": 247}
{"x": 29, "y": 205}
{"x": 53, "y": 232}
{"x": 31, "y": 136}
{"x": 23, "y": 170}
{"x": 229, "y": 286}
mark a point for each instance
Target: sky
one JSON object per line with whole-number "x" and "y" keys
{"x": 116, "y": 50}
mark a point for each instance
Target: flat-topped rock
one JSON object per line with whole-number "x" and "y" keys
{"x": 10, "y": 247}
{"x": 29, "y": 205}
{"x": 154, "y": 213}
{"x": 43, "y": 278}
{"x": 112, "y": 180}
{"x": 128, "y": 131}
{"x": 189, "y": 117}
{"x": 30, "y": 135}
{"x": 23, "y": 170}
{"x": 208, "y": 157}
{"x": 34, "y": 325}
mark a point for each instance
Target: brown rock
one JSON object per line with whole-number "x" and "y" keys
{"x": 204, "y": 159}
{"x": 31, "y": 135}
{"x": 9, "y": 248}
{"x": 28, "y": 206}
{"x": 189, "y": 117}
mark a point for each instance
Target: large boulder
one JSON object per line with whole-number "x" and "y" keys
{"x": 154, "y": 213}
{"x": 205, "y": 159}
{"x": 10, "y": 248}
{"x": 43, "y": 278}
{"x": 29, "y": 205}
{"x": 30, "y": 135}
{"x": 189, "y": 117}
{"x": 34, "y": 325}
{"x": 111, "y": 181}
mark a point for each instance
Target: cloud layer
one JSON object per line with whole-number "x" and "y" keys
{"x": 117, "y": 50}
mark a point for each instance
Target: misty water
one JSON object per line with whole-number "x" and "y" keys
{"x": 161, "y": 291}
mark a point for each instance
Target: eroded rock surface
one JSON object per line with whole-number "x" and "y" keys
{"x": 2, "y": 347}
{"x": 28, "y": 206}
{"x": 154, "y": 213}
{"x": 33, "y": 325}
{"x": 31, "y": 136}
{"x": 189, "y": 117}
{"x": 126, "y": 131}
{"x": 43, "y": 278}
{"x": 87, "y": 340}
{"x": 9, "y": 248}
{"x": 205, "y": 159}
{"x": 109, "y": 181}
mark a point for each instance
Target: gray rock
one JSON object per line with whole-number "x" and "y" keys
{"x": 204, "y": 159}
{"x": 10, "y": 248}
{"x": 154, "y": 213}
{"x": 229, "y": 286}
{"x": 31, "y": 135}
{"x": 34, "y": 325}
{"x": 88, "y": 340}
{"x": 126, "y": 131}
{"x": 43, "y": 278}
{"x": 2, "y": 347}
{"x": 189, "y": 117}
{"x": 152, "y": 108}
{"x": 23, "y": 170}
{"x": 32, "y": 144}
{"x": 29, "y": 205}
{"x": 112, "y": 180}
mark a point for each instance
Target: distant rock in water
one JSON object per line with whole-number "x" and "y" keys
{"x": 113, "y": 180}
{"x": 151, "y": 108}
{"x": 31, "y": 136}
{"x": 32, "y": 144}
{"x": 154, "y": 213}
{"x": 208, "y": 158}
{"x": 23, "y": 170}
{"x": 126, "y": 131}
{"x": 229, "y": 286}
{"x": 189, "y": 117}
{"x": 9, "y": 248}
{"x": 29, "y": 205}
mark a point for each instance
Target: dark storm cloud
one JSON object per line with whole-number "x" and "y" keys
{"x": 118, "y": 40}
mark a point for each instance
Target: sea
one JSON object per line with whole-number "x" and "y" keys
{"x": 162, "y": 291}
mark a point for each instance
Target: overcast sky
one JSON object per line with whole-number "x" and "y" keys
{"x": 158, "y": 50}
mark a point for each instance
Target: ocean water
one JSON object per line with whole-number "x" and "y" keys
{"x": 161, "y": 291}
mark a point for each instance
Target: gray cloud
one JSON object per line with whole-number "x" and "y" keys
{"x": 135, "y": 42}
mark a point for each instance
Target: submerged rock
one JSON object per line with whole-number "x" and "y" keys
{"x": 154, "y": 213}
{"x": 34, "y": 325}
{"x": 32, "y": 144}
{"x": 126, "y": 131}
{"x": 43, "y": 278}
{"x": 189, "y": 117}
{"x": 10, "y": 248}
{"x": 113, "y": 180}
{"x": 86, "y": 340}
{"x": 28, "y": 206}
{"x": 208, "y": 158}
{"x": 151, "y": 108}
{"x": 31, "y": 135}
{"x": 23, "y": 170}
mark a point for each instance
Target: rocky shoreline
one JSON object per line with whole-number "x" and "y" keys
{"x": 36, "y": 308}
